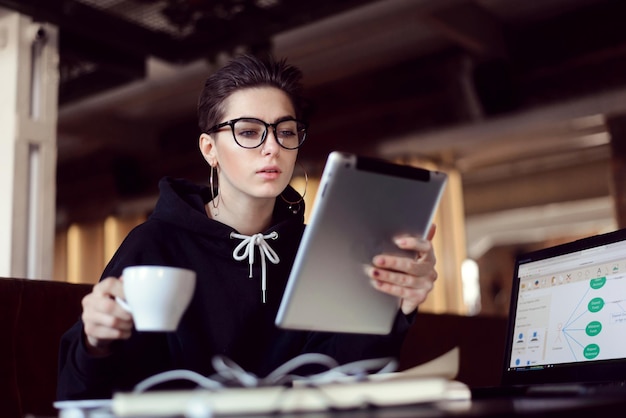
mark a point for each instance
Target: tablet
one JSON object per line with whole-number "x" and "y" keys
{"x": 361, "y": 204}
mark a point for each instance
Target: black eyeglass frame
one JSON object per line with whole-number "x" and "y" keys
{"x": 232, "y": 122}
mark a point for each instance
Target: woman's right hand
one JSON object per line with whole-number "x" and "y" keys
{"x": 104, "y": 319}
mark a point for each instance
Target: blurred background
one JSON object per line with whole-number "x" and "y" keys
{"x": 520, "y": 102}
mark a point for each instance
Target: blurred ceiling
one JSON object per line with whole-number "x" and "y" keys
{"x": 497, "y": 88}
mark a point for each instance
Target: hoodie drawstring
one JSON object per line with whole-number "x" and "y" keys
{"x": 246, "y": 249}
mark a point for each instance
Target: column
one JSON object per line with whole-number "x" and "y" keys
{"x": 617, "y": 181}
{"x": 449, "y": 243}
{"x": 450, "y": 247}
{"x": 29, "y": 79}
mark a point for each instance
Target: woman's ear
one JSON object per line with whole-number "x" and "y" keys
{"x": 207, "y": 148}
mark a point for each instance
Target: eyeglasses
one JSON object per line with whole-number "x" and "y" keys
{"x": 251, "y": 132}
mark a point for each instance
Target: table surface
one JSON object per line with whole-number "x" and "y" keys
{"x": 492, "y": 407}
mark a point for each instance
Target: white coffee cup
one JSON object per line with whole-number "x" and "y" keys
{"x": 157, "y": 296}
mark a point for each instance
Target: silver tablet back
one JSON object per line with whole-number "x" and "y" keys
{"x": 360, "y": 206}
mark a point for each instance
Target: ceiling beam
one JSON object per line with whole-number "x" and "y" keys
{"x": 470, "y": 26}
{"x": 596, "y": 30}
{"x": 76, "y": 19}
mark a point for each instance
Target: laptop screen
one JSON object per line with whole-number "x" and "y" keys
{"x": 567, "y": 321}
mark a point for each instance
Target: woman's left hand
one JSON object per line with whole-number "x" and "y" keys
{"x": 411, "y": 279}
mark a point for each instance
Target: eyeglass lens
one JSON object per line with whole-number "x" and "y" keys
{"x": 249, "y": 133}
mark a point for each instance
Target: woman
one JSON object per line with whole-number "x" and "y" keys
{"x": 249, "y": 114}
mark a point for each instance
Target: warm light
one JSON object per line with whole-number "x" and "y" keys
{"x": 300, "y": 184}
{"x": 471, "y": 286}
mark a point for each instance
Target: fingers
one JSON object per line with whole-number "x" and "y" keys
{"x": 424, "y": 257}
{"x": 409, "y": 278}
{"x": 411, "y": 290}
{"x": 402, "y": 284}
{"x": 422, "y": 247}
{"x": 431, "y": 232}
{"x": 104, "y": 320}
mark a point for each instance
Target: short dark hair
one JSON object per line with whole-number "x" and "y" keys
{"x": 247, "y": 71}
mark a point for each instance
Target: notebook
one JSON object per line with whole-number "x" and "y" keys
{"x": 361, "y": 204}
{"x": 567, "y": 320}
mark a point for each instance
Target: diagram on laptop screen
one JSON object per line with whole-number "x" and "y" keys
{"x": 571, "y": 309}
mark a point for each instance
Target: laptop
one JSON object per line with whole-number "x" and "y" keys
{"x": 361, "y": 204}
{"x": 567, "y": 321}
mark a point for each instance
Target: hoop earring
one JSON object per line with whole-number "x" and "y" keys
{"x": 214, "y": 202}
{"x": 294, "y": 206}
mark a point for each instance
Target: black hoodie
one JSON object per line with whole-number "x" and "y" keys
{"x": 226, "y": 316}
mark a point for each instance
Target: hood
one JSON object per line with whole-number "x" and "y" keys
{"x": 181, "y": 202}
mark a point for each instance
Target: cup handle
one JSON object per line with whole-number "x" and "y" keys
{"x": 123, "y": 304}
